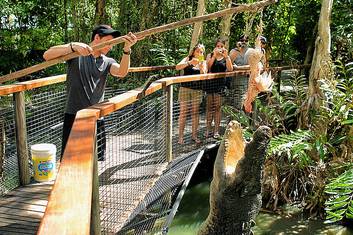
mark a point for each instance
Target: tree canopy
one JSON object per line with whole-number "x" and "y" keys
{"x": 27, "y": 28}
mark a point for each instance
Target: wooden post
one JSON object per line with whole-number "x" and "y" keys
{"x": 279, "y": 72}
{"x": 169, "y": 120}
{"x": 21, "y": 137}
{"x": 2, "y": 144}
{"x": 95, "y": 209}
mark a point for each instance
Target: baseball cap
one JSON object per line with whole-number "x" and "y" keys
{"x": 104, "y": 30}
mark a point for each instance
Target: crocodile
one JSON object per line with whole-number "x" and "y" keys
{"x": 236, "y": 188}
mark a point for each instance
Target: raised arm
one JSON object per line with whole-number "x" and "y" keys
{"x": 122, "y": 69}
{"x": 229, "y": 64}
{"x": 60, "y": 50}
{"x": 210, "y": 60}
{"x": 183, "y": 64}
{"x": 233, "y": 54}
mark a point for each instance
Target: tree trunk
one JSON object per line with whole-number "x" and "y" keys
{"x": 148, "y": 11}
{"x": 226, "y": 22}
{"x": 2, "y": 145}
{"x": 321, "y": 66}
{"x": 66, "y": 38}
{"x": 101, "y": 14}
{"x": 197, "y": 26}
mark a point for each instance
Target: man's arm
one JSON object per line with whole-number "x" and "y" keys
{"x": 233, "y": 54}
{"x": 122, "y": 69}
{"x": 61, "y": 50}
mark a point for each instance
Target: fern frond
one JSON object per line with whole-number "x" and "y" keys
{"x": 285, "y": 142}
{"x": 340, "y": 203}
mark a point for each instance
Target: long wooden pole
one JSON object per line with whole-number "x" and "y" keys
{"x": 148, "y": 32}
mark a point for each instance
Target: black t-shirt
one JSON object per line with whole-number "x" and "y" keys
{"x": 86, "y": 80}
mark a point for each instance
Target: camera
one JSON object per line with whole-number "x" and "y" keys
{"x": 221, "y": 50}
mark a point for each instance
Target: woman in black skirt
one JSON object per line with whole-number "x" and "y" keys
{"x": 217, "y": 61}
{"x": 190, "y": 93}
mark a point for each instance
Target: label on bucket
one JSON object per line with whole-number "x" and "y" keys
{"x": 45, "y": 167}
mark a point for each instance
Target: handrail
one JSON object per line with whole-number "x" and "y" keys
{"x": 69, "y": 205}
{"x": 37, "y": 83}
{"x": 29, "y": 85}
{"x": 150, "y": 68}
{"x": 41, "y": 82}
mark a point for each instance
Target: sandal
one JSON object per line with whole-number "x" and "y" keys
{"x": 196, "y": 140}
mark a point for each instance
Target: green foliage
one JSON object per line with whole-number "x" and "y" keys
{"x": 162, "y": 56}
{"x": 295, "y": 146}
{"x": 339, "y": 205}
{"x": 306, "y": 157}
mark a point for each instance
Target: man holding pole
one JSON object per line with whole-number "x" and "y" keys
{"x": 87, "y": 74}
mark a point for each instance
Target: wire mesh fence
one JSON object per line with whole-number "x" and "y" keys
{"x": 146, "y": 121}
{"x": 44, "y": 119}
{"x": 134, "y": 159}
{"x": 8, "y": 156}
{"x": 150, "y": 215}
{"x": 137, "y": 186}
{"x": 198, "y": 116}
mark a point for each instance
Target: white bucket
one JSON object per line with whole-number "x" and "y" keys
{"x": 43, "y": 157}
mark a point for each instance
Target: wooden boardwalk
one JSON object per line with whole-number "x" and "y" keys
{"x": 22, "y": 209}
{"x": 132, "y": 166}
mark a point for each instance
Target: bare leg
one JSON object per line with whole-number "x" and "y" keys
{"x": 209, "y": 111}
{"x": 217, "y": 113}
{"x": 195, "y": 120}
{"x": 182, "y": 120}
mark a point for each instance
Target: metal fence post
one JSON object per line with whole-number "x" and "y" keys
{"x": 169, "y": 120}
{"x": 95, "y": 209}
{"x": 21, "y": 137}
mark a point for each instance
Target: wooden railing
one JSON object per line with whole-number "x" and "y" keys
{"x": 73, "y": 206}
{"x": 71, "y": 203}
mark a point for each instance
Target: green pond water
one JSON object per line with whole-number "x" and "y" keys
{"x": 194, "y": 207}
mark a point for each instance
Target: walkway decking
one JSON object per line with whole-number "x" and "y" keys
{"x": 126, "y": 176}
{"x": 22, "y": 209}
